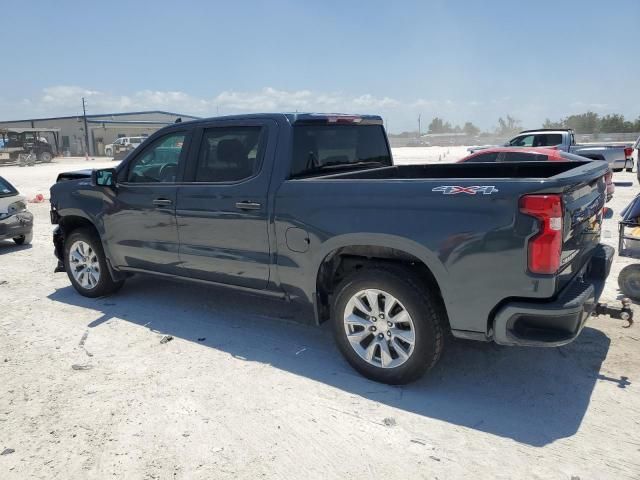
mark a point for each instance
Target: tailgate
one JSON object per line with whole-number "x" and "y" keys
{"x": 582, "y": 222}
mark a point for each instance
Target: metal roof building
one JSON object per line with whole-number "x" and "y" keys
{"x": 103, "y": 128}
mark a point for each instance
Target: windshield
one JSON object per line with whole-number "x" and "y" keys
{"x": 6, "y": 189}
{"x": 327, "y": 147}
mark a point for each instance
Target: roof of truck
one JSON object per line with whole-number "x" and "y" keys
{"x": 548, "y": 130}
{"x": 298, "y": 117}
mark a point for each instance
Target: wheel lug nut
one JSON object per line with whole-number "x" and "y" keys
{"x": 380, "y": 336}
{"x": 389, "y": 324}
{"x": 373, "y": 329}
{"x": 388, "y": 333}
{"x": 374, "y": 319}
{"x": 382, "y": 315}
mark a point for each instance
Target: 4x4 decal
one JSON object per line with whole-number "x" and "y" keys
{"x": 455, "y": 189}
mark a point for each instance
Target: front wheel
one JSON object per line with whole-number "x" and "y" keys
{"x": 24, "y": 239}
{"x": 86, "y": 265}
{"x": 387, "y": 324}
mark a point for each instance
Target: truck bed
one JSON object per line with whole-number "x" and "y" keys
{"x": 515, "y": 170}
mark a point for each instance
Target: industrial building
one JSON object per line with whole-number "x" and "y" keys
{"x": 103, "y": 129}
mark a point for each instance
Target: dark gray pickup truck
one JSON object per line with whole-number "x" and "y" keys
{"x": 311, "y": 208}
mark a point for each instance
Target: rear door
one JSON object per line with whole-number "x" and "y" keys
{"x": 222, "y": 209}
{"x": 140, "y": 226}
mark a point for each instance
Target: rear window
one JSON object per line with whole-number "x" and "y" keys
{"x": 547, "y": 140}
{"x": 319, "y": 146}
{"x": 483, "y": 157}
{"x": 6, "y": 189}
{"x": 523, "y": 157}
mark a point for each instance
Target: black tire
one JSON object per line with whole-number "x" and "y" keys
{"x": 616, "y": 170}
{"x": 105, "y": 285}
{"x": 24, "y": 239}
{"x": 422, "y": 305}
{"x": 45, "y": 157}
{"x": 629, "y": 281}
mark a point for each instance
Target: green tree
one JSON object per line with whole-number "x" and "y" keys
{"x": 613, "y": 123}
{"x": 508, "y": 126}
{"x": 470, "y": 129}
{"x": 549, "y": 124}
{"x": 583, "y": 123}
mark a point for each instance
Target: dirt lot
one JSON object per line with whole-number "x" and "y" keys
{"x": 88, "y": 391}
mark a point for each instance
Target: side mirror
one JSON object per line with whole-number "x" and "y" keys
{"x": 104, "y": 177}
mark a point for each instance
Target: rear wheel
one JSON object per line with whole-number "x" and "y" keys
{"x": 629, "y": 281}
{"x": 45, "y": 157}
{"x": 86, "y": 264}
{"x": 24, "y": 239}
{"x": 387, "y": 324}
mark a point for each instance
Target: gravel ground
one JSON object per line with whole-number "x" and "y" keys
{"x": 89, "y": 391}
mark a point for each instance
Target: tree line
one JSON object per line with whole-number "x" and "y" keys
{"x": 591, "y": 122}
{"x": 588, "y": 122}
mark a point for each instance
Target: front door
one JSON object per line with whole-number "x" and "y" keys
{"x": 140, "y": 225}
{"x": 222, "y": 205}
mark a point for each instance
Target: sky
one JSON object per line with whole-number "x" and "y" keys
{"x": 459, "y": 60}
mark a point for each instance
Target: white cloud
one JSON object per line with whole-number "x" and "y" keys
{"x": 593, "y": 106}
{"x": 66, "y": 100}
{"x": 401, "y": 114}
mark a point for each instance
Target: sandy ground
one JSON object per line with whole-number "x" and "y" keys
{"x": 88, "y": 391}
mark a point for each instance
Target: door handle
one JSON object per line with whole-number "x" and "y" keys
{"x": 248, "y": 205}
{"x": 162, "y": 202}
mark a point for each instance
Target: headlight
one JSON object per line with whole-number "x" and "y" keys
{"x": 17, "y": 207}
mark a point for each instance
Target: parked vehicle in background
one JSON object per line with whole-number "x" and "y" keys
{"x": 518, "y": 154}
{"x": 310, "y": 208}
{"x": 636, "y": 146}
{"x": 17, "y": 142}
{"x": 123, "y": 144}
{"x": 617, "y": 156}
{"x": 16, "y": 222}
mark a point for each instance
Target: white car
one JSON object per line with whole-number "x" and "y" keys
{"x": 121, "y": 144}
{"x": 16, "y": 222}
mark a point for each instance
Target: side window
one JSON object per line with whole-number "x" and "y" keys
{"x": 547, "y": 140}
{"x": 484, "y": 157}
{"x": 230, "y": 154}
{"x": 158, "y": 162}
{"x": 522, "y": 141}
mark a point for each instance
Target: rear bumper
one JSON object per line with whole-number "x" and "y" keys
{"x": 16, "y": 225}
{"x": 559, "y": 321}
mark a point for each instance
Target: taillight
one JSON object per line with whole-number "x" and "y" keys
{"x": 628, "y": 151}
{"x": 344, "y": 119}
{"x": 545, "y": 246}
{"x": 608, "y": 177}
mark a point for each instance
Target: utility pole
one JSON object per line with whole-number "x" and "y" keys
{"x": 86, "y": 129}
{"x": 419, "y": 118}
